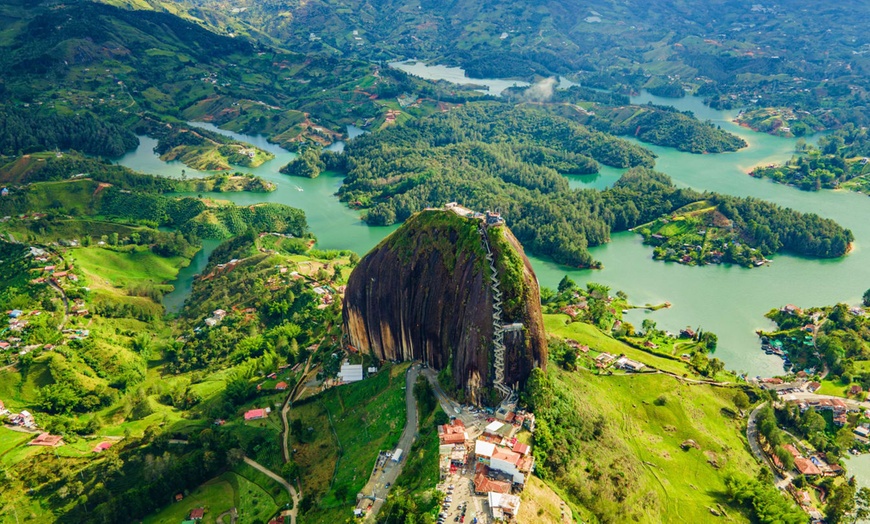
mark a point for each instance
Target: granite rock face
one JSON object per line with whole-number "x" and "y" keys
{"x": 425, "y": 293}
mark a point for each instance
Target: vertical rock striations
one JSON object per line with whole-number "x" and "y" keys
{"x": 426, "y": 293}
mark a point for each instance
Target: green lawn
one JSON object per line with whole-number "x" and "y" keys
{"x": 216, "y": 496}
{"x": 121, "y": 268}
{"x": 557, "y": 324}
{"x": 10, "y": 440}
{"x": 833, "y": 387}
{"x": 643, "y": 436}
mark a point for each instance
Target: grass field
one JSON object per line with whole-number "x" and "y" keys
{"x": 351, "y": 424}
{"x": 121, "y": 268}
{"x": 541, "y": 504}
{"x": 216, "y": 496}
{"x": 648, "y": 417}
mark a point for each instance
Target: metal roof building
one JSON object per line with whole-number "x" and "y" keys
{"x": 351, "y": 373}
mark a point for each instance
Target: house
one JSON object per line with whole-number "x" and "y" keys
{"x": 792, "y": 450}
{"x": 503, "y": 506}
{"x": 812, "y": 387}
{"x": 687, "y": 333}
{"x": 855, "y": 390}
{"x": 102, "y": 446}
{"x": 452, "y": 433}
{"x": 629, "y": 365}
{"x": 507, "y": 461}
{"x": 519, "y": 447}
{"x": 483, "y": 451}
{"x": 350, "y": 373}
{"x": 483, "y": 484}
{"x": 15, "y": 313}
{"x": 791, "y": 309}
{"x": 45, "y": 439}
{"x": 179, "y": 497}
{"x": 280, "y": 386}
{"x": 806, "y": 467}
{"x": 861, "y": 431}
{"x": 197, "y": 513}
{"x": 493, "y": 428}
{"x": 603, "y": 360}
{"x": 257, "y": 414}
{"x": 23, "y": 419}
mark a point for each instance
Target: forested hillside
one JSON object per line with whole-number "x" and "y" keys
{"x": 493, "y": 156}
{"x": 71, "y": 85}
{"x": 733, "y": 52}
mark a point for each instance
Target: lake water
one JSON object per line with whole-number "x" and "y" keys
{"x": 730, "y": 301}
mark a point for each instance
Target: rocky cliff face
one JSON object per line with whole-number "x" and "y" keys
{"x": 425, "y": 293}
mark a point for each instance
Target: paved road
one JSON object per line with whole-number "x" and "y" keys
{"x": 780, "y": 482}
{"x": 280, "y": 480}
{"x": 391, "y": 473}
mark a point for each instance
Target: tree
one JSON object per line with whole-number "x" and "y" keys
{"x": 741, "y": 400}
{"x": 565, "y": 284}
{"x": 867, "y": 298}
{"x": 710, "y": 340}
{"x": 840, "y": 502}
{"x": 811, "y": 422}
{"x": 649, "y": 327}
{"x": 785, "y": 458}
{"x": 569, "y": 358}
{"x": 862, "y": 504}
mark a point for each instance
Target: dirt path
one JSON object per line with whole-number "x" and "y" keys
{"x": 285, "y": 437}
{"x": 232, "y": 513}
{"x": 65, "y": 304}
{"x": 295, "y": 495}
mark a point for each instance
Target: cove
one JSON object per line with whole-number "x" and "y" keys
{"x": 730, "y": 301}
{"x": 335, "y": 225}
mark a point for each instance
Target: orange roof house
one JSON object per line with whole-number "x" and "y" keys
{"x": 806, "y": 467}
{"x": 45, "y": 439}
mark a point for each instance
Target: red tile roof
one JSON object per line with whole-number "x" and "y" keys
{"x": 506, "y": 455}
{"x": 521, "y": 448}
{"x": 102, "y": 446}
{"x": 281, "y": 386}
{"x": 44, "y": 439}
{"x": 255, "y": 414}
{"x": 483, "y": 484}
{"x": 806, "y": 467}
{"x": 793, "y": 450}
{"x": 197, "y": 513}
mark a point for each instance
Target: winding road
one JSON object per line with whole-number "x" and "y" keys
{"x": 782, "y": 481}
{"x": 277, "y": 478}
{"x": 405, "y": 442}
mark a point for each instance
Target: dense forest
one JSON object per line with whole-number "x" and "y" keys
{"x": 491, "y": 156}
{"x": 25, "y": 131}
{"x": 664, "y": 126}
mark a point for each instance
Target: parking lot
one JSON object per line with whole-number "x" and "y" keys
{"x": 461, "y": 504}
